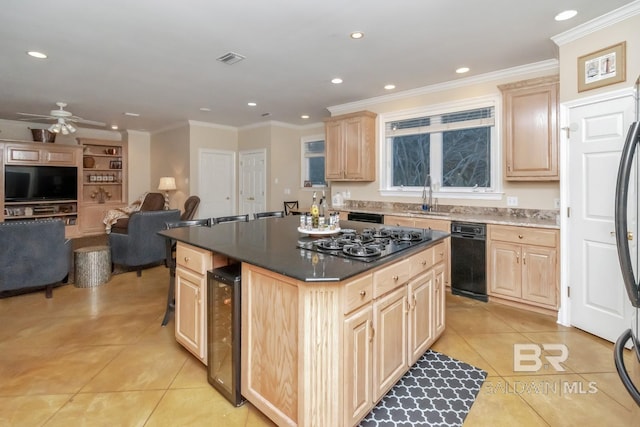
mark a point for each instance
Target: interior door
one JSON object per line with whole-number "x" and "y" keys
{"x": 252, "y": 182}
{"x": 599, "y": 303}
{"x": 216, "y": 183}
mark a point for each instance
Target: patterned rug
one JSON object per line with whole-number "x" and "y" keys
{"x": 437, "y": 391}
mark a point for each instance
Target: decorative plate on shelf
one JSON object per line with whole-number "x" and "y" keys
{"x": 316, "y": 232}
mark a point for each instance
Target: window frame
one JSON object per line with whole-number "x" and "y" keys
{"x": 494, "y": 192}
{"x": 304, "y": 172}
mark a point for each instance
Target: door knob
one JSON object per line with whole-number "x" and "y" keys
{"x": 629, "y": 235}
{"x": 250, "y": 198}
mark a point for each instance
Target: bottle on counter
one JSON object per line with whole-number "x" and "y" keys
{"x": 315, "y": 212}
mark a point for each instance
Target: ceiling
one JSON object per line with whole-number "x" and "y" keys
{"x": 158, "y": 59}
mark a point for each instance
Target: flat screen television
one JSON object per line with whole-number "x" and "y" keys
{"x": 36, "y": 183}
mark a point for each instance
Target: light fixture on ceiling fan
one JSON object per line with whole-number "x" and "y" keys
{"x": 63, "y": 120}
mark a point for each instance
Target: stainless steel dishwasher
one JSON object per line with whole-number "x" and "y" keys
{"x": 468, "y": 260}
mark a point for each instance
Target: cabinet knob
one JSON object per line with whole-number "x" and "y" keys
{"x": 519, "y": 236}
{"x": 424, "y": 262}
{"x": 395, "y": 278}
{"x": 363, "y": 293}
{"x": 186, "y": 259}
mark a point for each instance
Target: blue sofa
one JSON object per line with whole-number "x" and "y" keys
{"x": 33, "y": 255}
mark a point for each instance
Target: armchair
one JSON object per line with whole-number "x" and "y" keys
{"x": 152, "y": 202}
{"x": 190, "y": 207}
{"x": 33, "y": 255}
{"x": 142, "y": 246}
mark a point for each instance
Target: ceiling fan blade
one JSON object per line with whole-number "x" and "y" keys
{"x": 43, "y": 116}
{"x": 84, "y": 121}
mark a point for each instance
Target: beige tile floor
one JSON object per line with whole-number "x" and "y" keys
{"x": 99, "y": 357}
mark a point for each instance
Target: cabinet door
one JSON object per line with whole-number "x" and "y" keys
{"x": 92, "y": 216}
{"x": 505, "y": 269}
{"x": 358, "y": 364}
{"x": 539, "y": 281}
{"x": 420, "y": 328}
{"x": 390, "y": 340}
{"x": 333, "y": 150}
{"x": 438, "y": 300}
{"x": 189, "y": 312}
{"x": 531, "y": 128}
{"x": 354, "y": 148}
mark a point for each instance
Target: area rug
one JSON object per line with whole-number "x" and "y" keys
{"x": 437, "y": 391}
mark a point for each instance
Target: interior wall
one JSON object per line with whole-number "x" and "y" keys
{"x": 531, "y": 195}
{"x": 139, "y": 162}
{"x": 285, "y": 166}
{"x": 627, "y": 30}
{"x": 169, "y": 156}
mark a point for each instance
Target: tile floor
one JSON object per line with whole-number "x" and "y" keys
{"x": 98, "y": 356}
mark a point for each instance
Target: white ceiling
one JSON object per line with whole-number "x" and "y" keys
{"x": 158, "y": 58}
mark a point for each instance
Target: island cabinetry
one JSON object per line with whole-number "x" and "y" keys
{"x": 324, "y": 353}
{"x": 522, "y": 265}
{"x": 350, "y": 142}
{"x": 530, "y": 109}
{"x": 192, "y": 265}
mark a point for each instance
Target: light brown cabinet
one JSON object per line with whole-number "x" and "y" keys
{"x": 350, "y": 143}
{"x": 104, "y": 181}
{"x": 24, "y": 153}
{"x": 530, "y": 132}
{"x": 358, "y": 364}
{"x": 523, "y": 266}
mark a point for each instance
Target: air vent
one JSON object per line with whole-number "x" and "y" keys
{"x": 231, "y": 58}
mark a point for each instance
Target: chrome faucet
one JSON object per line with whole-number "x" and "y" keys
{"x": 427, "y": 192}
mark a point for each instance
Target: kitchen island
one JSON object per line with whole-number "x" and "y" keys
{"x": 324, "y": 337}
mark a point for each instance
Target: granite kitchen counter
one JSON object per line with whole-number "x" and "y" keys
{"x": 272, "y": 244}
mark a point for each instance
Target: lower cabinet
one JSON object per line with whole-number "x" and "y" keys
{"x": 522, "y": 265}
{"x": 192, "y": 264}
{"x": 358, "y": 364}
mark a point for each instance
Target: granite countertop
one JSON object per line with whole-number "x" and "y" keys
{"x": 271, "y": 243}
{"x": 515, "y": 217}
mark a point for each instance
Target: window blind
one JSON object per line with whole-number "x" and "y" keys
{"x": 480, "y": 117}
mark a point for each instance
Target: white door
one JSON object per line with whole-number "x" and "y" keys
{"x": 253, "y": 176}
{"x": 599, "y": 303}
{"x": 216, "y": 183}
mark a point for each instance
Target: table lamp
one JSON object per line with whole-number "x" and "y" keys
{"x": 167, "y": 183}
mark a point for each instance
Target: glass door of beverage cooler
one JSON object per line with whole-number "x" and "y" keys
{"x": 223, "y": 331}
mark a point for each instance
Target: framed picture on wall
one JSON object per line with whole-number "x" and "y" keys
{"x": 603, "y": 67}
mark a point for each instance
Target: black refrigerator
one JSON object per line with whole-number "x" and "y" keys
{"x": 627, "y": 197}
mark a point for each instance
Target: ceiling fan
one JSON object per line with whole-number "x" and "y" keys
{"x": 63, "y": 119}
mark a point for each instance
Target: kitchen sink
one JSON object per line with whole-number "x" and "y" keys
{"x": 429, "y": 213}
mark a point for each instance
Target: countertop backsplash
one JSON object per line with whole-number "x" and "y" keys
{"x": 514, "y": 216}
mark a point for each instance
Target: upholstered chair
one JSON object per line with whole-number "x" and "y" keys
{"x": 152, "y": 202}
{"x": 142, "y": 246}
{"x": 33, "y": 255}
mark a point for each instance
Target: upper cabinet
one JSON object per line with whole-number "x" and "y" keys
{"x": 350, "y": 142}
{"x": 530, "y": 109}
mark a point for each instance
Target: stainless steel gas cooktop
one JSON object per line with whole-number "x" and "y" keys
{"x": 368, "y": 244}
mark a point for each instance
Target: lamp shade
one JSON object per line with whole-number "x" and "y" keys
{"x": 167, "y": 183}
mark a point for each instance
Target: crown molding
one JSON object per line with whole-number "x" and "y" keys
{"x": 281, "y": 124}
{"x": 597, "y": 24}
{"x": 551, "y": 65}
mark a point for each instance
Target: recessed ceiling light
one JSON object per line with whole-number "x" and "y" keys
{"x": 357, "y": 35}
{"x": 567, "y": 14}
{"x": 251, "y": 104}
{"x": 462, "y": 70}
{"x": 38, "y": 55}
{"x": 114, "y": 127}
{"x": 304, "y": 116}
{"x": 336, "y": 81}
{"x": 132, "y": 114}
{"x": 205, "y": 109}
{"x": 389, "y": 87}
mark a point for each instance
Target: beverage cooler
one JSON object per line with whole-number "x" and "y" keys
{"x": 223, "y": 331}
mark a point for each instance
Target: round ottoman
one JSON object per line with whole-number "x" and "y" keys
{"x": 92, "y": 266}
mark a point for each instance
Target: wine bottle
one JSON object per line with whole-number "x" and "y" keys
{"x": 315, "y": 212}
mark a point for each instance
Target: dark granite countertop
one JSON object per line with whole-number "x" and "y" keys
{"x": 271, "y": 243}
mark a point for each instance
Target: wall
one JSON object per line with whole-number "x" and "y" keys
{"x": 285, "y": 166}
{"x": 627, "y": 30}
{"x": 139, "y": 171}
{"x": 540, "y": 195}
{"x": 169, "y": 156}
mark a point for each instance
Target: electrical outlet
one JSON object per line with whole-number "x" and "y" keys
{"x": 287, "y": 191}
{"x": 512, "y": 201}
{"x": 556, "y": 203}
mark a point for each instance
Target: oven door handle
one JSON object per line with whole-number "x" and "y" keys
{"x": 618, "y": 357}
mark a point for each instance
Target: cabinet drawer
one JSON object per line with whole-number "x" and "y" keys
{"x": 391, "y": 277}
{"x": 196, "y": 260}
{"x": 60, "y": 157}
{"x": 357, "y": 293}
{"x": 20, "y": 154}
{"x": 528, "y": 236}
{"x": 439, "y": 253}
{"x": 421, "y": 262}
